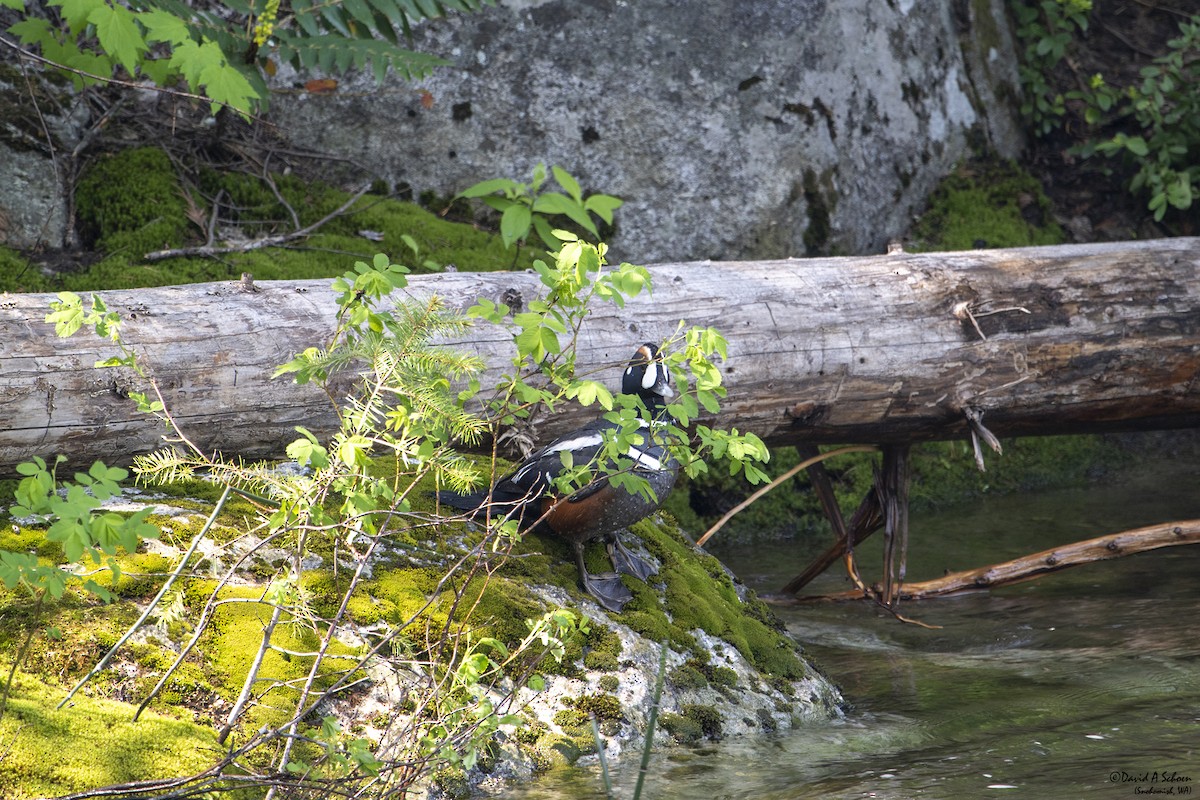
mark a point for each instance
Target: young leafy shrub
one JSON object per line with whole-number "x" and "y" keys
{"x": 1046, "y": 28}
{"x": 525, "y": 206}
{"x": 1158, "y": 124}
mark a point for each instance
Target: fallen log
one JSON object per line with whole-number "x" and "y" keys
{"x": 1027, "y": 568}
{"x": 882, "y": 349}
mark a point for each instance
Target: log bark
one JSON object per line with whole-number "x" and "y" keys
{"x": 1098, "y": 337}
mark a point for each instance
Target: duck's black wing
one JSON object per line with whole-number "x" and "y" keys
{"x": 521, "y": 490}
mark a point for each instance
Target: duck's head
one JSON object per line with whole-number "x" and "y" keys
{"x": 647, "y": 377}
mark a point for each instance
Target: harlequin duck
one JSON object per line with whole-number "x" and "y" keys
{"x": 599, "y": 509}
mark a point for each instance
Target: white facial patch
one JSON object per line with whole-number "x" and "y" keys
{"x": 650, "y": 376}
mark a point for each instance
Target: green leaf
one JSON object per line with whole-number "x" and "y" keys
{"x": 225, "y": 85}
{"x": 514, "y": 224}
{"x": 34, "y": 30}
{"x": 31, "y": 467}
{"x": 119, "y": 34}
{"x": 549, "y": 341}
{"x": 204, "y": 67}
{"x": 353, "y": 451}
{"x": 76, "y": 12}
{"x": 98, "y": 590}
{"x": 489, "y": 187}
{"x": 1137, "y": 146}
{"x": 589, "y": 392}
{"x": 555, "y": 203}
{"x": 546, "y": 233}
{"x": 603, "y": 206}
{"x": 15, "y": 5}
{"x": 308, "y": 452}
{"x": 67, "y": 314}
{"x": 567, "y": 182}
{"x": 361, "y": 12}
{"x": 162, "y": 26}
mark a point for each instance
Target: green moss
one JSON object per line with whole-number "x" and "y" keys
{"x": 686, "y": 676}
{"x": 684, "y": 730}
{"x": 141, "y": 574}
{"x": 700, "y": 594}
{"x": 91, "y": 743}
{"x": 601, "y": 662}
{"x": 232, "y": 640}
{"x": 453, "y": 782}
{"x": 987, "y": 204}
{"x": 572, "y": 721}
{"x": 818, "y": 196}
{"x": 530, "y": 731}
{"x": 724, "y": 676}
{"x": 555, "y": 751}
{"x": 131, "y": 201}
{"x": 609, "y": 683}
{"x": 707, "y": 717}
{"x": 602, "y": 649}
{"x": 602, "y": 706}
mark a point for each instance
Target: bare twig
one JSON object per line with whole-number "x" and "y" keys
{"x": 211, "y": 232}
{"x": 266, "y": 176}
{"x": 257, "y": 244}
{"x": 251, "y": 676}
{"x": 967, "y": 310}
{"x": 212, "y": 518}
{"x": 808, "y": 462}
{"x": 978, "y": 431}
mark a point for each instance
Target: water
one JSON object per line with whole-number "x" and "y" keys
{"x": 1085, "y": 683}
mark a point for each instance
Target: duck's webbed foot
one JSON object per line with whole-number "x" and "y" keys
{"x": 626, "y": 562}
{"x": 608, "y": 590}
{"x": 606, "y": 587}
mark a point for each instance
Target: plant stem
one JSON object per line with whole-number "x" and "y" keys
{"x": 153, "y": 603}
{"x": 651, "y": 722}
{"x": 12, "y": 672}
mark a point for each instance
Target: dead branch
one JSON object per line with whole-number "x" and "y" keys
{"x": 808, "y": 462}
{"x": 1026, "y": 568}
{"x": 209, "y": 250}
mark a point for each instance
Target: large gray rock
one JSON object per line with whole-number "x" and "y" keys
{"x": 40, "y": 123}
{"x": 733, "y": 129}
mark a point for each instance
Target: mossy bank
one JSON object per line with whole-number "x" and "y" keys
{"x": 731, "y": 669}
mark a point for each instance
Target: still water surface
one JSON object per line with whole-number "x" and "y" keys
{"x": 1083, "y": 684}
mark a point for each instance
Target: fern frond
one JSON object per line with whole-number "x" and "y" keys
{"x": 339, "y": 51}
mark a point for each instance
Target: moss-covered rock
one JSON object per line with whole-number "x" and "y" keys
{"x": 747, "y": 667}
{"x": 91, "y": 743}
{"x": 987, "y": 204}
{"x": 131, "y": 202}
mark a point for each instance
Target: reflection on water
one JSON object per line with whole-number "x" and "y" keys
{"x": 1085, "y": 683}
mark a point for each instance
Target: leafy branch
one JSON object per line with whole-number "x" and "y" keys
{"x": 525, "y": 206}
{"x": 223, "y": 49}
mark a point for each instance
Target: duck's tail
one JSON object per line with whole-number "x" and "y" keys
{"x": 472, "y": 501}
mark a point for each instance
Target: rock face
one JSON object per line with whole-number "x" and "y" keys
{"x": 33, "y": 212}
{"x": 733, "y": 129}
